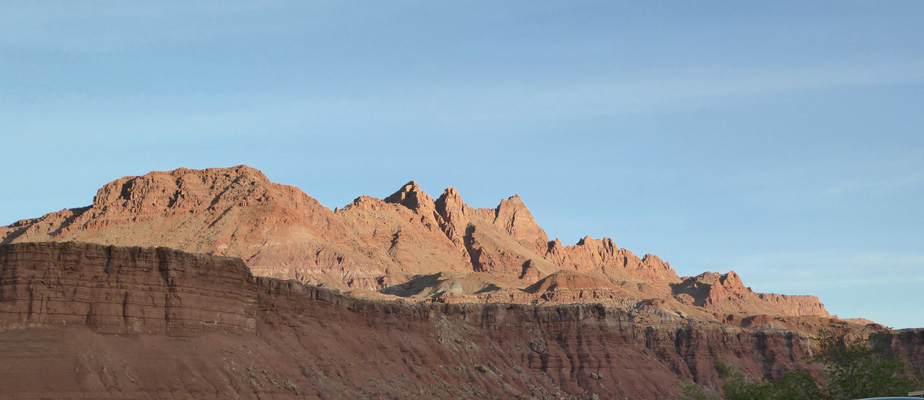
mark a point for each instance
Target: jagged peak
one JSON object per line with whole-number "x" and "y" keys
{"x": 411, "y": 186}
{"x": 511, "y": 205}
{"x": 729, "y": 279}
{"x": 554, "y": 245}
{"x": 450, "y": 193}
{"x": 411, "y": 196}
{"x": 514, "y": 218}
{"x": 515, "y": 199}
{"x": 450, "y": 202}
{"x": 604, "y": 241}
{"x": 584, "y": 240}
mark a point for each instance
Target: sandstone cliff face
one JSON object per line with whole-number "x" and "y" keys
{"x": 725, "y": 293}
{"x": 390, "y": 245}
{"x": 84, "y": 320}
{"x": 123, "y": 290}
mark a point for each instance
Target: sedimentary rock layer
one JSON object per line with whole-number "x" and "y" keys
{"x": 124, "y": 290}
{"x": 85, "y": 320}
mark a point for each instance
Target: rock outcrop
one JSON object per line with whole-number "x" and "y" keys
{"x": 381, "y": 247}
{"x": 124, "y": 290}
{"x": 725, "y": 293}
{"x": 277, "y": 229}
{"x": 82, "y": 320}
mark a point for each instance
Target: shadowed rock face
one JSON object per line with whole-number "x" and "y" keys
{"x": 907, "y": 343}
{"x": 85, "y": 320}
{"x": 373, "y": 246}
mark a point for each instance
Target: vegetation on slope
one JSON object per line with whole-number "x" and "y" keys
{"x": 854, "y": 369}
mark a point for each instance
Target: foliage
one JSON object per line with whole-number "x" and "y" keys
{"x": 853, "y": 369}
{"x": 691, "y": 391}
{"x": 795, "y": 385}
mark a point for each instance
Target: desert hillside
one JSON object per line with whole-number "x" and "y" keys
{"x": 407, "y": 245}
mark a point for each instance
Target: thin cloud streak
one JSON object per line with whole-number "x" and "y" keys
{"x": 602, "y": 96}
{"x": 441, "y": 103}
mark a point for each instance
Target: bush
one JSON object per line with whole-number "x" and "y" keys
{"x": 853, "y": 370}
{"x": 691, "y": 391}
{"x": 795, "y": 385}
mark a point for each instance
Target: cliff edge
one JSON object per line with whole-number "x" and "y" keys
{"x": 87, "y": 320}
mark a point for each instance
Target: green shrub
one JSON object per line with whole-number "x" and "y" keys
{"x": 853, "y": 370}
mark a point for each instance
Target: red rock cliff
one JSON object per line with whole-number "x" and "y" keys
{"x": 725, "y": 293}
{"x": 85, "y": 320}
{"x": 124, "y": 290}
{"x": 379, "y": 247}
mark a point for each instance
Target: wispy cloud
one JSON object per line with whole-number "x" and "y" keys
{"x": 536, "y": 98}
{"x": 424, "y": 102}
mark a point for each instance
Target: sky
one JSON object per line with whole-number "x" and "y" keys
{"x": 783, "y": 140}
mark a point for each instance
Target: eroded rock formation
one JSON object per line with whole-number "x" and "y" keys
{"x": 124, "y": 290}
{"x": 375, "y": 247}
{"x": 93, "y": 321}
{"x": 727, "y": 293}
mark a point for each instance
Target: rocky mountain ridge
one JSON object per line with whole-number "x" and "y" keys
{"x": 408, "y": 244}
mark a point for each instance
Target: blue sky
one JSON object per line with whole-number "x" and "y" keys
{"x": 782, "y": 140}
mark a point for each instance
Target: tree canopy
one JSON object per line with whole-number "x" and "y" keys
{"x": 853, "y": 369}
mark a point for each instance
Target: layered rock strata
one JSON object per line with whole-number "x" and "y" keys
{"x": 202, "y": 326}
{"x": 124, "y": 290}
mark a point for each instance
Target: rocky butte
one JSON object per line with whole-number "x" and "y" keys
{"x": 218, "y": 282}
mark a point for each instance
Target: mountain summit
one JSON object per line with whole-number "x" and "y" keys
{"x": 407, "y": 244}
